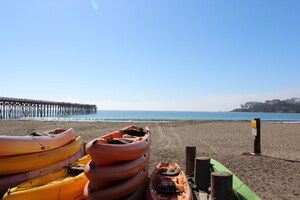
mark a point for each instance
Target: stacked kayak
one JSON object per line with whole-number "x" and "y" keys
{"x": 33, "y": 161}
{"x": 26, "y": 157}
{"x": 168, "y": 181}
{"x": 65, "y": 184}
{"x": 35, "y": 142}
{"x": 119, "y": 165}
{"x": 13, "y": 180}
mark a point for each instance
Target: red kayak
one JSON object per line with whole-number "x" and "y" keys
{"x": 121, "y": 190}
{"x": 129, "y": 143}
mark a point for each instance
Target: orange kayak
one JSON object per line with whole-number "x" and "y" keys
{"x": 126, "y": 144}
{"x": 168, "y": 181}
{"x": 100, "y": 177}
{"x": 118, "y": 191}
{"x": 35, "y": 142}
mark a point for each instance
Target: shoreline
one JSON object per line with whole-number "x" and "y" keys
{"x": 274, "y": 175}
{"x": 125, "y": 120}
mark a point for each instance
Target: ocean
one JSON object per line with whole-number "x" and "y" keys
{"x": 167, "y": 116}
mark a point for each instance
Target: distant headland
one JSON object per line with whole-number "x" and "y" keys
{"x": 275, "y": 106}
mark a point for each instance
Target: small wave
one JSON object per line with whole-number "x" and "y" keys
{"x": 146, "y": 120}
{"x": 283, "y": 122}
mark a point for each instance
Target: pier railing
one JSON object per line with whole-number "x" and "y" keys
{"x": 17, "y": 108}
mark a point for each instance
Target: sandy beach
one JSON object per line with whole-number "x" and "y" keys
{"x": 274, "y": 175}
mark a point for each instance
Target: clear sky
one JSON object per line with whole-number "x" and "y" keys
{"x": 192, "y": 55}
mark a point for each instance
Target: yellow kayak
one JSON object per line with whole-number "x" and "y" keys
{"x": 62, "y": 184}
{"x": 33, "y": 161}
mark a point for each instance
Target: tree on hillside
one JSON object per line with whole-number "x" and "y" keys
{"x": 284, "y": 106}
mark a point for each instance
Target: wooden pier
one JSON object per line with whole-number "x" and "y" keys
{"x": 11, "y": 108}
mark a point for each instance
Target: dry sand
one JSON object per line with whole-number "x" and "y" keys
{"x": 274, "y": 175}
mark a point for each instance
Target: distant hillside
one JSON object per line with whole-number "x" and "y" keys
{"x": 277, "y": 106}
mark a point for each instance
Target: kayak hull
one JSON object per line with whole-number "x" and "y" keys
{"x": 100, "y": 177}
{"x": 34, "y": 161}
{"x": 18, "y": 145}
{"x": 241, "y": 190}
{"x": 138, "y": 194}
{"x": 104, "y": 152}
{"x": 59, "y": 184}
{"x": 168, "y": 181}
{"x": 13, "y": 180}
{"x": 117, "y": 191}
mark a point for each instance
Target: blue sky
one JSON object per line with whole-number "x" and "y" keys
{"x": 193, "y": 55}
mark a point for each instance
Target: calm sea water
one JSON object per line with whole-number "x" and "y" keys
{"x": 107, "y": 115}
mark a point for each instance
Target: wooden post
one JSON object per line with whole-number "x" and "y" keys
{"x": 190, "y": 155}
{"x": 83, "y": 148}
{"x": 202, "y": 173}
{"x": 221, "y": 186}
{"x": 257, "y": 149}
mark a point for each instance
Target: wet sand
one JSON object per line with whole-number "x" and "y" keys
{"x": 274, "y": 175}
